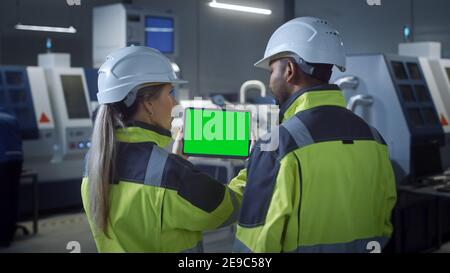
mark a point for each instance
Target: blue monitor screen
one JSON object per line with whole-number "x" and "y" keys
{"x": 159, "y": 33}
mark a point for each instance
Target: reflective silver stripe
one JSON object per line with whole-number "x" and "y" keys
{"x": 235, "y": 213}
{"x": 376, "y": 135}
{"x": 155, "y": 167}
{"x": 298, "y": 131}
{"x": 357, "y": 246}
{"x": 239, "y": 247}
{"x": 196, "y": 249}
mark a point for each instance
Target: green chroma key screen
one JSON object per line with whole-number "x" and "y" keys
{"x": 216, "y": 133}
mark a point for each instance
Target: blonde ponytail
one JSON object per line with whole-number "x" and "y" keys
{"x": 101, "y": 164}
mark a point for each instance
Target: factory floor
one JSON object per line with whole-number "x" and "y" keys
{"x": 56, "y": 232}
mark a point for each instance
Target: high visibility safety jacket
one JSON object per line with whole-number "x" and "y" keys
{"x": 158, "y": 201}
{"x": 329, "y": 187}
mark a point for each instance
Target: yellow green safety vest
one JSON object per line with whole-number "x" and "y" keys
{"x": 329, "y": 187}
{"x": 158, "y": 201}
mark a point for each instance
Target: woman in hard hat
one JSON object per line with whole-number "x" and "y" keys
{"x": 137, "y": 196}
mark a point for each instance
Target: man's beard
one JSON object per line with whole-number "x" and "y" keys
{"x": 281, "y": 96}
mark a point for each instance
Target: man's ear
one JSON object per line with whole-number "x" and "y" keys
{"x": 290, "y": 71}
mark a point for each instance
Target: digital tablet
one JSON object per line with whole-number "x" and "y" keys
{"x": 216, "y": 133}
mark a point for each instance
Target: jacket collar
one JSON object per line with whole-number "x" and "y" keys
{"x": 310, "y": 97}
{"x": 136, "y": 132}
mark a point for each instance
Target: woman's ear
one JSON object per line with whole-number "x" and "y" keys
{"x": 148, "y": 105}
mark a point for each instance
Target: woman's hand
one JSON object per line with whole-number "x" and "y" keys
{"x": 177, "y": 147}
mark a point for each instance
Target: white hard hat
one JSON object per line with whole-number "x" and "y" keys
{"x": 130, "y": 67}
{"x": 312, "y": 39}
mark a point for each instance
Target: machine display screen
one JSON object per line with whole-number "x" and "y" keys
{"x": 413, "y": 69}
{"x": 415, "y": 117}
{"x": 399, "y": 70}
{"x": 14, "y": 77}
{"x": 414, "y": 95}
{"x": 420, "y": 117}
{"x": 407, "y": 93}
{"x": 74, "y": 97}
{"x": 422, "y": 93}
{"x": 216, "y": 133}
{"x": 159, "y": 33}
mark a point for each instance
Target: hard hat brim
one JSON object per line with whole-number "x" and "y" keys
{"x": 112, "y": 96}
{"x": 179, "y": 81}
{"x": 263, "y": 63}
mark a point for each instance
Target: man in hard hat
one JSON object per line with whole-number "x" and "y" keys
{"x": 329, "y": 186}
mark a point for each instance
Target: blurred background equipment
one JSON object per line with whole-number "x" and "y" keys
{"x": 11, "y": 159}
{"x": 398, "y": 80}
{"x": 401, "y": 97}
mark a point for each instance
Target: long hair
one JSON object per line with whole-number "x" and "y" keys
{"x": 101, "y": 163}
{"x": 102, "y": 154}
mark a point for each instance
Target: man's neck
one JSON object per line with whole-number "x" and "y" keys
{"x": 306, "y": 85}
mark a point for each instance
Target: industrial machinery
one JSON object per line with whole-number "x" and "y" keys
{"x": 391, "y": 93}
{"x": 120, "y": 25}
{"x": 24, "y": 94}
{"x": 69, "y": 98}
{"x": 51, "y": 104}
{"x": 436, "y": 73}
